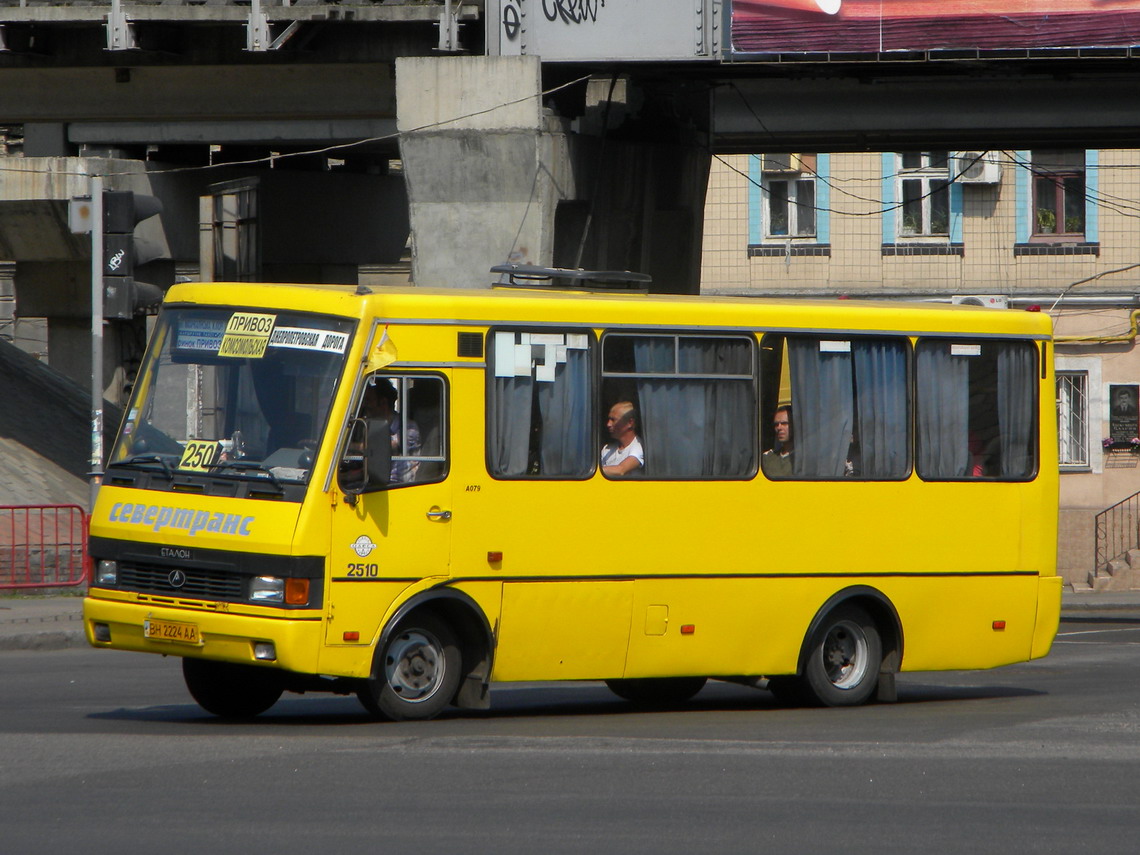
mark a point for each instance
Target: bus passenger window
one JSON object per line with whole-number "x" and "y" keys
{"x": 540, "y": 409}
{"x": 696, "y": 396}
{"x": 849, "y": 396}
{"x": 976, "y": 409}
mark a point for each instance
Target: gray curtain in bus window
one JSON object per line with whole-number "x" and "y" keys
{"x": 672, "y": 434}
{"x": 823, "y": 412}
{"x": 880, "y": 399}
{"x": 1016, "y": 378}
{"x": 943, "y": 383}
{"x": 728, "y": 446}
{"x": 509, "y": 442}
{"x": 564, "y": 407}
{"x": 698, "y": 427}
{"x": 669, "y": 422}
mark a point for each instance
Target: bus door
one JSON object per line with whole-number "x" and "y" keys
{"x": 397, "y": 529}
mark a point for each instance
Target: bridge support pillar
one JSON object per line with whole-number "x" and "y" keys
{"x": 494, "y": 174}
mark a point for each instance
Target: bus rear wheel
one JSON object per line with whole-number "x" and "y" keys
{"x": 230, "y": 690}
{"x": 415, "y": 672}
{"x": 657, "y": 691}
{"x": 844, "y": 658}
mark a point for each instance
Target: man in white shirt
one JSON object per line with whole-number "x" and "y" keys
{"x": 623, "y": 453}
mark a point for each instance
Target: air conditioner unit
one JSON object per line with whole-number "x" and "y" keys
{"x": 976, "y": 167}
{"x": 989, "y": 301}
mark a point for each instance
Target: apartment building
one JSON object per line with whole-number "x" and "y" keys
{"x": 1056, "y": 231}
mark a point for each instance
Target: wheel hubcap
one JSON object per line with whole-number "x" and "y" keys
{"x": 414, "y": 665}
{"x": 845, "y": 658}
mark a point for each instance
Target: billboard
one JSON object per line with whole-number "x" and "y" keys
{"x": 883, "y": 26}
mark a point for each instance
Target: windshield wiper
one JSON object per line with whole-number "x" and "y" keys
{"x": 140, "y": 459}
{"x": 251, "y": 466}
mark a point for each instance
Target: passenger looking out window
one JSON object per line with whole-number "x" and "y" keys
{"x": 623, "y": 454}
{"x": 777, "y": 461}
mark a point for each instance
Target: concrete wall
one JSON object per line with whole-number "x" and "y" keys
{"x": 484, "y": 167}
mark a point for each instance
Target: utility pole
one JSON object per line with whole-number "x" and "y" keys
{"x": 97, "y": 263}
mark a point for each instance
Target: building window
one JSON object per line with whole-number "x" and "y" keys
{"x": 1058, "y": 194}
{"x": 923, "y": 194}
{"x": 1072, "y": 419}
{"x": 788, "y": 200}
{"x": 236, "y": 237}
{"x": 789, "y": 191}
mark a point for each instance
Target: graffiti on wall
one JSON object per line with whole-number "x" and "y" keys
{"x": 570, "y": 12}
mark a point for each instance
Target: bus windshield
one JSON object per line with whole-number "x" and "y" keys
{"x": 232, "y": 392}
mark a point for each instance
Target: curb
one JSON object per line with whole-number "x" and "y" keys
{"x": 56, "y": 627}
{"x": 50, "y": 640}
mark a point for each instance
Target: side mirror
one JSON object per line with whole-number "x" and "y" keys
{"x": 367, "y": 459}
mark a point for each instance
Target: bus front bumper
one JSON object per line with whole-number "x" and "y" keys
{"x": 291, "y": 642}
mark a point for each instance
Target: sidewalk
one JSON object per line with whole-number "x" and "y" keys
{"x": 41, "y": 623}
{"x": 55, "y": 623}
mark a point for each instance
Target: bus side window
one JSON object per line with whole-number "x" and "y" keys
{"x": 540, "y": 410}
{"x": 850, "y": 404}
{"x": 696, "y": 396}
{"x": 976, "y": 409}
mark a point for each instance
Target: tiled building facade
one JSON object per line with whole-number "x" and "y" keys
{"x": 1058, "y": 230}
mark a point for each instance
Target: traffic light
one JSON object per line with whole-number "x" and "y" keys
{"x": 123, "y": 297}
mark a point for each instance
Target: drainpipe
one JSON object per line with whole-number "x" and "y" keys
{"x": 1127, "y": 338}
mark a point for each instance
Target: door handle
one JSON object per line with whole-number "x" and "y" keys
{"x": 437, "y": 514}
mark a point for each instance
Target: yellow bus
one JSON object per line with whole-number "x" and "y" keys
{"x": 400, "y": 493}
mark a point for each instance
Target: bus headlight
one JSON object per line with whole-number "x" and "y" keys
{"x": 107, "y": 573}
{"x": 266, "y": 589}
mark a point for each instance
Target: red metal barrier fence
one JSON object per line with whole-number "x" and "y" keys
{"x": 43, "y": 546}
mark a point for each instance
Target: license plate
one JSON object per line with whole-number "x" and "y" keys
{"x": 168, "y": 630}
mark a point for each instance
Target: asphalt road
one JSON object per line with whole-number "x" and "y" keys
{"x": 104, "y": 752}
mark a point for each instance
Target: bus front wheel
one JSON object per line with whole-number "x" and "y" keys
{"x": 230, "y": 690}
{"x": 415, "y": 672}
{"x": 844, "y": 658}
